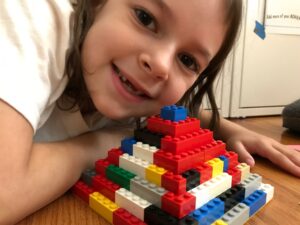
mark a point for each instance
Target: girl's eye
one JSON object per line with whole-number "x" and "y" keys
{"x": 145, "y": 18}
{"x": 189, "y": 62}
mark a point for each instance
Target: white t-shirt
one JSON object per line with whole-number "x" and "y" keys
{"x": 34, "y": 37}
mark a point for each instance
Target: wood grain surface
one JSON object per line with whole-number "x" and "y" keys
{"x": 283, "y": 209}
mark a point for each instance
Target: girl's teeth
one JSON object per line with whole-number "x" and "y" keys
{"x": 129, "y": 87}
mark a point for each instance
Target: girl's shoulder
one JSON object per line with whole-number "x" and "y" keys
{"x": 34, "y": 37}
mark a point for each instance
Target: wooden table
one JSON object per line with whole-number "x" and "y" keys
{"x": 284, "y": 209}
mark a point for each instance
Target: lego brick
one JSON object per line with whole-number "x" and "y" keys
{"x": 209, "y": 212}
{"x": 213, "y": 149}
{"x": 133, "y": 164}
{"x": 144, "y": 151}
{"x": 232, "y": 158}
{"x": 101, "y": 166}
{"x": 119, "y": 176}
{"x": 146, "y": 136}
{"x": 237, "y": 215}
{"x": 174, "y": 129}
{"x": 150, "y": 192}
{"x": 103, "y": 206}
{"x": 211, "y": 189}
{"x": 251, "y": 183}
{"x": 255, "y": 201}
{"x": 187, "y": 142}
{"x": 192, "y": 178}
{"x": 232, "y": 196}
{"x": 123, "y": 217}
{"x": 178, "y": 163}
{"x": 219, "y": 222}
{"x": 178, "y": 205}
{"x": 126, "y": 145}
{"x": 105, "y": 186}
{"x": 87, "y": 176}
{"x": 173, "y": 113}
{"x": 82, "y": 190}
{"x": 174, "y": 183}
{"x": 268, "y": 189}
{"x": 225, "y": 162}
{"x": 205, "y": 171}
{"x": 236, "y": 176}
{"x": 133, "y": 203}
{"x": 154, "y": 174}
{"x": 245, "y": 170}
{"x": 156, "y": 216}
{"x": 217, "y": 166}
{"x": 113, "y": 156}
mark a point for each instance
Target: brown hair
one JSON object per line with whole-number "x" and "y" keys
{"x": 76, "y": 90}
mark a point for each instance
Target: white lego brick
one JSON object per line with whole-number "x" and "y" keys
{"x": 144, "y": 151}
{"x": 245, "y": 170}
{"x": 268, "y": 189}
{"x": 238, "y": 215}
{"x": 251, "y": 184}
{"x": 151, "y": 192}
{"x": 131, "y": 202}
{"x": 133, "y": 164}
{"x": 211, "y": 189}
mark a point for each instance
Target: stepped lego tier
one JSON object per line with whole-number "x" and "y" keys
{"x": 172, "y": 172}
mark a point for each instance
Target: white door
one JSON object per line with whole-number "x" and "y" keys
{"x": 266, "y": 73}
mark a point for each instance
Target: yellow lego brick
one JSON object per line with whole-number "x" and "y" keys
{"x": 103, "y": 206}
{"x": 217, "y": 166}
{"x": 219, "y": 222}
{"x": 245, "y": 170}
{"x": 154, "y": 174}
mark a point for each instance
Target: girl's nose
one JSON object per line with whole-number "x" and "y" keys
{"x": 157, "y": 65}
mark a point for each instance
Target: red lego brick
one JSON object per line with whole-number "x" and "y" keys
{"x": 123, "y": 217}
{"x": 232, "y": 159}
{"x": 178, "y": 205}
{"x": 187, "y": 142}
{"x": 174, "y": 183}
{"x": 113, "y": 156}
{"x": 174, "y": 129}
{"x": 101, "y": 165}
{"x": 205, "y": 171}
{"x": 236, "y": 176}
{"x": 82, "y": 190}
{"x": 178, "y": 163}
{"x": 105, "y": 186}
{"x": 214, "y": 150}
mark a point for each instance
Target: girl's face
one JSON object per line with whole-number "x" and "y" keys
{"x": 140, "y": 55}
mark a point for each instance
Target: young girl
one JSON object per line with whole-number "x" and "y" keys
{"x": 120, "y": 60}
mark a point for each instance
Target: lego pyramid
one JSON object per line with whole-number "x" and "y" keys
{"x": 173, "y": 172}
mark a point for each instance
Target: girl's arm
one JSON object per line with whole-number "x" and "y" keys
{"x": 32, "y": 175}
{"x": 246, "y": 142}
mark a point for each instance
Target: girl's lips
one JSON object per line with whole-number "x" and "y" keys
{"x": 123, "y": 91}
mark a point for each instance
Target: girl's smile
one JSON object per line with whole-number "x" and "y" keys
{"x": 127, "y": 87}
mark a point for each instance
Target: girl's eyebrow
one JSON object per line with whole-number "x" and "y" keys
{"x": 163, "y": 6}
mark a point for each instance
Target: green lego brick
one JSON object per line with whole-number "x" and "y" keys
{"x": 119, "y": 176}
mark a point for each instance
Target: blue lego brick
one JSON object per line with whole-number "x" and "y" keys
{"x": 209, "y": 212}
{"x": 127, "y": 145}
{"x": 226, "y": 162}
{"x": 173, "y": 113}
{"x": 255, "y": 201}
